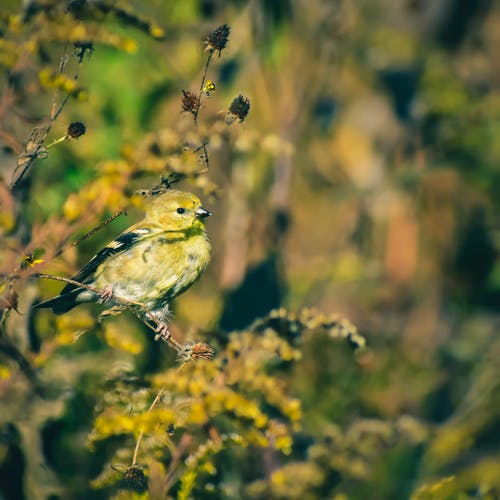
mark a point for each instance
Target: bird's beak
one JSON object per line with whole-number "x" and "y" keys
{"x": 201, "y": 213}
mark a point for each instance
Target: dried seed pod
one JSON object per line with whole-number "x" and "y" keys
{"x": 76, "y": 130}
{"x": 217, "y": 39}
{"x": 195, "y": 352}
{"x": 135, "y": 479}
{"x": 189, "y": 101}
{"x": 238, "y": 109}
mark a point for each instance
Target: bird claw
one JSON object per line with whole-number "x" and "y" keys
{"x": 162, "y": 332}
{"x": 106, "y": 294}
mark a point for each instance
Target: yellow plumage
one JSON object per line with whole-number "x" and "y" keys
{"x": 151, "y": 262}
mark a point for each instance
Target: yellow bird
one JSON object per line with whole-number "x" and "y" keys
{"x": 151, "y": 262}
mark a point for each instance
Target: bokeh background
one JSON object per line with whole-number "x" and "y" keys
{"x": 365, "y": 182}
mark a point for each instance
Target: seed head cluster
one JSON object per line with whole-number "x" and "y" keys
{"x": 135, "y": 479}
{"x": 239, "y": 108}
{"x": 76, "y": 130}
{"x": 189, "y": 101}
{"x": 195, "y": 352}
{"x": 217, "y": 39}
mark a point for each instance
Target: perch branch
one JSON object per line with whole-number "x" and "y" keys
{"x": 131, "y": 305}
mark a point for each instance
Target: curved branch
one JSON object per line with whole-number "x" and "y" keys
{"x": 132, "y": 305}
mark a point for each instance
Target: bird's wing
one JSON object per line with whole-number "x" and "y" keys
{"x": 121, "y": 244}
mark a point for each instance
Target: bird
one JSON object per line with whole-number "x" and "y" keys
{"x": 150, "y": 263}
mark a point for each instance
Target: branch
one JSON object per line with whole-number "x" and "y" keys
{"x": 203, "y": 79}
{"x": 9, "y": 349}
{"x": 131, "y": 305}
{"x": 94, "y": 230}
{"x": 37, "y": 149}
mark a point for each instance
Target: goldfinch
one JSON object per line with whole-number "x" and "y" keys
{"x": 151, "y": 262}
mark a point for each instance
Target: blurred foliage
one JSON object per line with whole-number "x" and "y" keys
{"x": 362, "y": 179}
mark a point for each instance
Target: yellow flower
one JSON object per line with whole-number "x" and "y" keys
{"x": 209, "y": 88}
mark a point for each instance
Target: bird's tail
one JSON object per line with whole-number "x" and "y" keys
{"x": 61, "y": 303}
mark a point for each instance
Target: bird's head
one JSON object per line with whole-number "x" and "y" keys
{"x": 176, "y": 211}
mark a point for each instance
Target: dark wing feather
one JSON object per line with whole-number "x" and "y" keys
{"x": 120, "y": 244}
{"x": 70, "y": 294}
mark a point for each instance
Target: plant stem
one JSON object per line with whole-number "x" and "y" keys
{"x": 56, "y": 141}
{"x": 139, "y": 439}
{"x": 203, "y": 79}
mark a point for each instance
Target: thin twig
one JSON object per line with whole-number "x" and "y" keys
{"x": 18, "y": 273}
{"x": 205, "y": 157}
{"x": 54, "y": 114}
{"x": 131, "y": 305}
{"x": 139, "y": 439}
{"x": 62, "y": 63}
{"x": 202, "y": 86}
{"x": 89, "y": 233}
{"x": 97, "y": 228}
{"x": 204, "y": 77}
{"x": 173, "y": 470}
{"x": 57, "y": 141}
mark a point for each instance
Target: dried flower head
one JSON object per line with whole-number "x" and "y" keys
{"x": 217, "y": 39}
{"x": 238, "y": 109}
{"x": 135, "y": 479}
{"x": 195, "y": 352}
{"x": 189, "y": 101}
{"x": 76, "y": 130}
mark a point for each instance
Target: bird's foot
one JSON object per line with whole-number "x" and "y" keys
{"x": 162, "y": 332}
{"x": 106, "y": 294}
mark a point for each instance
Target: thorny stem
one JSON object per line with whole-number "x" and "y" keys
{"x": 139, "y": 439}
{"x": 202, "y": 86}
{"x": 131, "y": 305}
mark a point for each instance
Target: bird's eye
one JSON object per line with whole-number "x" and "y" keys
{"x": 181, "y": 210}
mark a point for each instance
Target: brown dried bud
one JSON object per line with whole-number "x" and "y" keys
{"x": 217, "y": 40}
{"x": 189, "y": 101}
{"x": 135, "y": 479}
{"x": 238, "y": 109}
{"x": 75, "y": 130}
{"x": 195, "y": 352}
{"x": 202, "y": 351}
